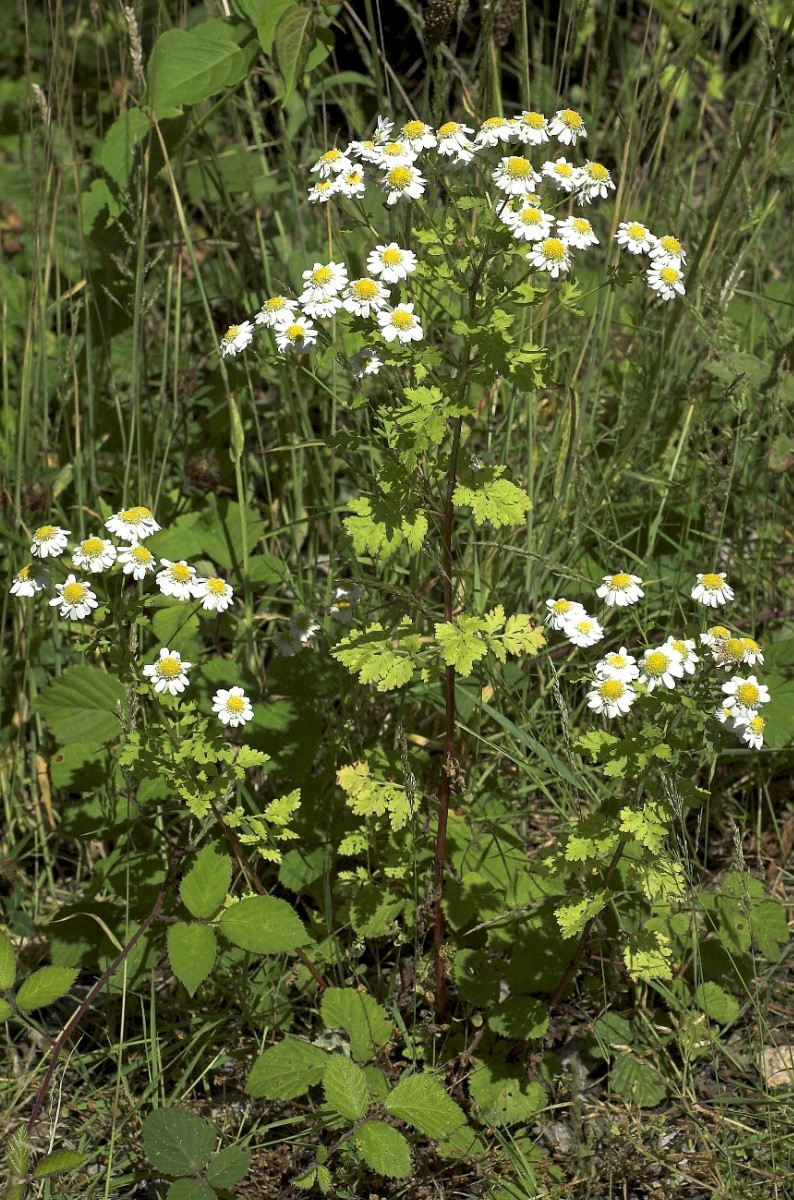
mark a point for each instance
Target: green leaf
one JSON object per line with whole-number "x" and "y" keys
{"x": 345, "y": 1087}
{"x": 422, "y": 1101}
{"x": 520, "y": 1017}
{"x": 503, "y": 1094}
{"x": 770, "y": 928}
{"x": 7, "y": 963}
{"x": 716, "y": 1003}
{"x": 189, "y": 65}
{"x": 648, "y": 956}
{"x": 379, "y": 526}
{"x": 229, "y": 1166}
{"x": 389, "y": 658}
{"x": 461, "y": 644}
{"x": 384, "y": 1149}
{"x": 370, "y": 797}
{"x": 205, "y": 886}
{"x": 58, "y": 1161}
{"x": 368, "y": 1026}
{"x": 190, "y": 1189}
{"x": 117, "y": 152}
{"x": 177, "y": 1142}
{"x": 45, "y": 986}
{"x": 572, "y": 918}
{"x": 191, "y": 952}
{"x": 293, "y": 40}
{"x": 6, "y": 1011}
{"x": 476, "y": 979}
{"x": 493, "y": 500}
{"x": 81, "y": 705}
{"x": 286, "y": 1070}
{"x": 263, "y": 924}
{"x": 637, "y": 1082}
{"x": 267, "y": 20}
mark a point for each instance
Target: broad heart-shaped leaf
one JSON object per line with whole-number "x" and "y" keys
{"x": 190, "y": 1189}
{"x": 229, "y": 1166}
{"x": 345, "y": 1087}
{"x": 263, "y": 924}
{"x": 384, "y": 1149}
{"x": 191, "y": 952}
{"x": 286, "y": 1070}
{"x": 422, "y": 1101}
{"x": 7, "y": 964}
{"x": 204, "y": 887}
{"x": 45, "y": 986}
{"x": 368, "y": 1026}
{"x": 268, "y": 18}
{"x": 81, "y": 705}
{"x": 189, "y": 65}
{"x": 58, "y": 1161}
{"x": 293, "y": 40}
{"x": 177, "y": 1142}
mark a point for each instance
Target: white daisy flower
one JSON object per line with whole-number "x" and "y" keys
{"x": 94, "y": 555}
{"x": 532, "y": 128}
{"x": 728, "y": 652}
{"x": 666, "y": 280}
{"x": 396, "y": 154}
{"x": 661, "y": 666}
{"x": 742, "y": 696}
{"x": 635, "y": 237}
{"x": 515, "y": 175}
{"x": 618, "y": 591}
{"x": 345, "y": 598}
{"x": 352, "y": 184}
{"x": 322, "y": 285}
{"x": 403, "y": 181}
{"x": 322, "y": 191}
{"x": 137, "y": 561}
{"x": 391, "y": 263}
{"x": 418, "y": 136}
{"x": 551, "y": 255}
{"x": 304, "y": 626}
{"x": 583, "y": 631}
{"x": 333, "y": 162}
{"x": 287, "y": 643}
{"x": 364, "y": 297}
{"x": 75, "y": 599}
{"x": 529, "y": 223}
{"x": 366, "y": 151}
{"x": 495, "y": 130}
{"x": 236, "y": 338}
{"x": 365, "y": 362}
{"x": 686, "y": 648}
{"x": 753, "y": 732}
{"x": 753, "y": 654}
{"x": 618, "y": 665}
{"x": 49, "y": 541}
{"x": 564, "y": 174}
{"x": 611, "y": 696}
{"x": 232, "y": 706}
{"x": 295, "y": 335}
{"x": 577, "y": 232}
{"x": 595, "y": 182}
{"x": 714, "y": 635}
{"x": 400, "y": 323}
{"x": 383, "y": 128}
{"x": 214, "y": 593}
{"x": 725, "y": 717}
{"x": 454, "y": 141}
{"x": 712, "y": 590}
{"x": 276, "y": 311}
{"x": 30, "y": 580}
{"x": 132, "y": 524}
{"x": 668, "y": 250}
{"x": 567, "y": 127}
{"x": 176, "y": 579}
{"x": 562, "y": 610}
{"x": 168, "y": 673}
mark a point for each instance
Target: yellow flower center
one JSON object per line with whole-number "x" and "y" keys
{"x": 413, "y": 129}
{"x": 342, "y": 605}
{"x": 562, "y": 606}
{"x": 402, "y": 320}
{"x": 392, "y": 257}
{"x": 750, "y": 646}
{"x": 571, "y": 119}
{"x": 584, "y": 626}
{"x": 732, "y": 648}
{"x": 367, "y": 145}
{"x": 231, "y": 333}
{"x": 534, "y": 120}
{"x": 74, "y": 593}
{"x": 581, "y": 225}
{"x": 618, "y": 661}
{"x": 235, "y": 705}
{"x": 295, "y": 332}
{"x": 758, "y": 724}
{"x": 169, "y": 668}
{"x": 564, "y": 169}
{"x": 671, "y": 245}
{"x": 656, "y": 664}
{"x": 718, "y": 631}
{"x": 494, "y": 123}
{"x": 353, "y": 177}
{"x": 712, "y": 583}
{"x": 131, "y": 516}
{"x": 399, "y": 177}
{"x": 612, "y": 689}
{"x": 180, "y": 573}
{"x": 92, "y": 547}
{"x": 597, "y": 172}
{"x": 670, "y": 275}
{"x": 682, "y": 648}
{"x": 141, "y": 554}
{"x": 449, "y": 128}
{"x": 531, "y": 216}
{"x": 275, "y": 303}
{"x": 553, "y": 249}
{"x": 365, "y": 289}
{"x": 322, "y": 275}
{"x": 637, "y": 232}
{"x": 747, "y": 694}
{"x": 331, "y": 156}
{"x": 323, "y": 185}
{"x": 216, "y": 587}
{"x": 24, "y": 574}
{"x": 518, "y": 168}
{"x": 44, "y": 533}
{"x": 620, "y": 581}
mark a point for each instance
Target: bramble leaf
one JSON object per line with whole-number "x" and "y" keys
{"x": 345, "y": 1087}
{"x": 422, "y": 1101}
{"x": 384, "y": 1149}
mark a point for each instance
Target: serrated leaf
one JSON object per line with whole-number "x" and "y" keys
{"x": 8, "y": 969}
{"x": 177, "y": 1142}
{"x": 367, "y": 796}
{"x": 387, "y": 658}
{"x": 293, "y": 40}
{"x": 520, "y": 1017}
{"x": 45, "y": 986}
{"x": 190, "y": 1189}
{"x": 263, "y": 924}
{"x": 267, "y": 19}
{"x": 503, "y": 1093}
{"x": 345, "y": 1087}
{"x": 286, "y": 1070}
{"x": 637, "y": 1082}
{"x": 81, "y": 705}
{"x": 495, "y": 501}
{"x": 229, "y": 1166}
{"x": 384, "y": 1149}
{"x": 572, "y": 918}
{"x": 205, "y": 886}
{"x": 379, "y": 527}
{"x": 461, "y": 644}
{"x": 476, "y": 978}
{"x": 366, "y": 1023}
{"x": 648, "y": 956}
{"x": 58, "y": 1161}
{"x": 190, "y": 65}
{"x": 716, "y": 1003}
{"x": 422, "y": 1102}
{"x": 6, "y": 1011}
{"x": 191, "y": 952}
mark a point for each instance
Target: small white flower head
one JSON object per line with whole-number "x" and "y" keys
{"x": 333, "y": 162}
{"x": 390, "y": 263}
{"x": 30, "y": 580}
{"x": 583, "y": 631}
{"x": 296, "y": 335}
{"x": 366, "y": 151}
{"x": 496, "y": 130}
{"x": 352, "y": 184}
{"x": 232, "y": 706}
{"x": 94, "y": 555}
{"x": 276, "y": 311}
{"x": 577, "y": 232}
{"x": 753, "y": 731}
{"x": 618, "y": 665}
{"x": 304, "y": 627}
{"x": 322, "y": 191}
{"x": 236, "y": 338}
{"x": 753, "y": 654}
{"x": 366, "y": 361}
{"x": 365, "y": 296}
{"x": 567, "y": 127}
{"x": 176, "y": 579}
{"x": 611, "y": 696}
{"x": 529, "y": 223}
{"x": 595, "y": 182}
{"x": 345, "y": 598}
{"x": 668, "y": 250}
{"x": 635, "y": 236}
{"x": 551, "y": 255}
{"x": 418, "y": 136}
{"x": 742, "y": 696}
{"x": 403, "y": 181}
{"x": 562, "y": 610}
{"x": 686, "y": 648}
{"x": 666, "y": 280}
{"x": 396, "y": 154}
{"x": 322, "y": 285}
{"x": 400, "y": 323}
{"x": 618, "y": 591}
{"x": 132, "y": 524}
{"x": 729, "y": 652}
{"x": 562, "y": 173}
{"x": 515, "y": 175}
{"x": 214, "y": 593}
{"x": 383, "y": 128}
{"x": 287, "y": 643}
{"x": 726, "y": 718}
{"x": 714, "y": 635}
{"x": 532, "y": 128}
{"x": 454, "y": 141}
{"x": 168, "y": 673}
{"x": 49, "y": 541}
{"x": 712, "y": 590}
{"x": 75, "y": 599}
{"x": 137, "y": 561}
{"x": 661, "y": 667}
